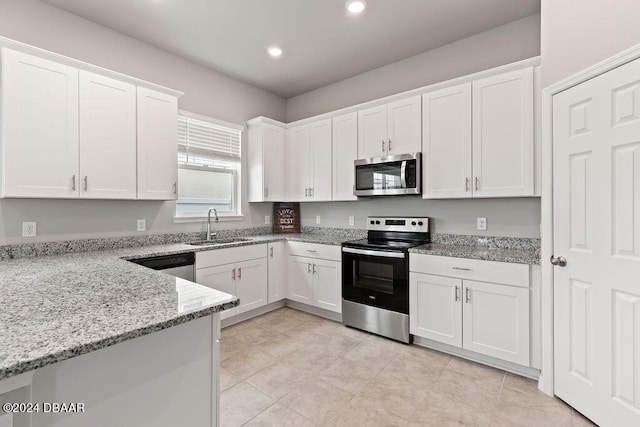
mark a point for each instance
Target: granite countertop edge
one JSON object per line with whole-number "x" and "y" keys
{"x": 515, "y": 256}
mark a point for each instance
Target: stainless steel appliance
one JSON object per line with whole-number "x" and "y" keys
{"x": 388, "y": 176}
{"x": 178, "y": 265}
{"x": 375, "y": 276}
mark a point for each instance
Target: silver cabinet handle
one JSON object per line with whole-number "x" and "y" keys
{"x": 457, "y": 293}
{"x": 239, "y": 273}
{"x": 266, "y": 191}
{"x": 466, "y": 184}
{"x": 477, "y": 186}
{"x": 86, "y": 182}
{"x": 73, "y": 183}
{"x": 307, "y": 192}
{"x": 560, "y": 261}
{"x": 308, "y": 267}
{"x": 313, "y": 251}
{"x": 389, "y": 144}
{"x": 271, "y": 252}
{"x": 467, "y": 297}
{"x": 314, "y": 268}
{"x": 233, "y": 274}
{"x": 461, "y": 269}
{"x": 383, "y": 145}
{"x": 310, "y": 191}
{"x": 175, "y": 188}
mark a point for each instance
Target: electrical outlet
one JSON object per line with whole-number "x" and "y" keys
{"x": 267, "y": 219}
{"x": 317, "y": 219}
{"x": 142, "y": 225}
{"x": 352, "y": 220}
{"x": 482, "y": 224}
{"x": 28, "y": 229}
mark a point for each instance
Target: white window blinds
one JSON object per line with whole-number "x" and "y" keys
{"x": 205, "y": 138}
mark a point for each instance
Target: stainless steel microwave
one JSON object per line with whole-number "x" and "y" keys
{"x": 388, "y": 176}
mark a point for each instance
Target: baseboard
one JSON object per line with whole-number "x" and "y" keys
{"x": 252, "y": 313}
{"x": 331, "y": 315}
{"x": 514, "y": 368}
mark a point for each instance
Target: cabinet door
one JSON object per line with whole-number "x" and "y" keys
{"x": 273, "y": 162}
{"x": 157, "y": 145}
{"x": 327, "y": 284}
{"x": 107, "y": 137}
{"x": 222, "y": 278}
{"x": 404, "y": 126}
{"x": 40, "y": 127}
{"x": 345, "y": 151}
{"x": 277, "y": 284}
{"x": 496, "y": 321}
{"x": 320, "y": 160}
{"x": 372, "y": 132}
{"x": 503, "y": 135}
{"x": 297, "y": 167}
{"x": 446, "y": 151}
{"x": 251, "y": 284}
{"x": 300, "y": 279}
{"x": 435, "y": 310}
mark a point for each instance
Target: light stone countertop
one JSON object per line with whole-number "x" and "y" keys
{"x": 59, "y": 306}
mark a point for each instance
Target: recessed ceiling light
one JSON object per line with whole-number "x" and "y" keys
{"x": 356, "y": 6}
{"x": 274, "y": 51}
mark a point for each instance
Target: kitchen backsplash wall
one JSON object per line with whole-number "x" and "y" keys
{"x": 513, "y": 217}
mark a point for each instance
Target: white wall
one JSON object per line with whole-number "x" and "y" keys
{"x": 206, "y": 92}
{"x": 578, "y": 33}
{"x": 502, "y": 45}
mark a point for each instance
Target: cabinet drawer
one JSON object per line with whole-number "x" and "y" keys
{"x": 471, "y": 269}
{"x": 315, "y": 250}
{"x": 215, "y": 257}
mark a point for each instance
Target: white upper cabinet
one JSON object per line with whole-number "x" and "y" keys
{"x": 69, "y": 132}
{"x": 503, "y": 135}
{"x": 266, "y": 162}
{"x": 446, "y": 121}
{"x": 478, "y": 138}
{"x": 308, "y": 162}
{"x": 40, "y": 127}
{"x": 345, "y": 152}
{"x": 157, "y": 145}
{"x": 390, "y": 129}
{"x": 107, "y": 137}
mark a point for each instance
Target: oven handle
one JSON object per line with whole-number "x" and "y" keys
{"x": 403, "y": 174}
{"x": 374, "y": 253}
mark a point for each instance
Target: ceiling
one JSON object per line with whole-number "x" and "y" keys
{"x": 322, "y": 42}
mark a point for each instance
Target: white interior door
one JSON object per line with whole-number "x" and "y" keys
{"x": 596, "y": 150}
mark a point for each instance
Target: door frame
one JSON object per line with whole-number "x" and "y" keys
{"x": 546, "y": 382}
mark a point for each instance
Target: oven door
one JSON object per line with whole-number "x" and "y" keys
{"x": 376, "y": 278}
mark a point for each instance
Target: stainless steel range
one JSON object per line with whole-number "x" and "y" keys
{"x": 375, "y": 276}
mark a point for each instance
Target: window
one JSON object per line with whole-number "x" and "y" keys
{"x": 208, "y": 166}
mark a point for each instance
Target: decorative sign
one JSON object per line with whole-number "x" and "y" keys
{"x": 286, "y": 217}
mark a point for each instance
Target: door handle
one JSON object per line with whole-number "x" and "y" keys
{"x": 266, "y": 191}
{"x": 467, "y": 297}
{"x": 457, "y": 293}
{"x": 559, "y": 261}
{"x": 477, "y": 186}
{"x": 86, "y": 182}
{"x": 239, "y": 273}
{"x": 73, "y": 183}
{"x": 233, "y": 274}
{"x": 314, "y": 268}
{"x": 383, "y": 146}
{"x": 175, "y": 188}
{"x": 271, "y": 252}
{"x": 466, "y": 184}
{"x": 308, "y": 267}
{"x": 389, "y": 144}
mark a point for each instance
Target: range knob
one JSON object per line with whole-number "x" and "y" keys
{"x": 420, "y": 223}
{"x": 413, "y": 223}
{"x": 377, "y": 222}
{"x": 373, "y": 222}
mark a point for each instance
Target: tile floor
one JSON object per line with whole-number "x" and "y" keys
{"x": 290, "y": 368}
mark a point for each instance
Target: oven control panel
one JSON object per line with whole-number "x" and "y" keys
{"x": 379, "y": 223}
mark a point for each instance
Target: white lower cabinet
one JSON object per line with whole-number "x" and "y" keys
{"x": 275, "y": 263}
{"x": 314, "y": 275}
{"x": 240, "y": 271}
{"x": 464, "y": 310}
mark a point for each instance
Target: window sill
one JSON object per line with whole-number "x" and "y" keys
{"x": 203, "y": 218}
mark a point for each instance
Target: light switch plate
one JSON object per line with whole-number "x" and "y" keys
{"x": 29, "y": 229}
{"x": 317, "y": 219}
{"x": 482, "y": 224}
{"x": 142, "y": 225}
{"x": 352, "y": 220}
{"x": 267, "y": 219}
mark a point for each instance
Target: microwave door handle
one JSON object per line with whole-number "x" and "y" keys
{"x": 403, "y": 174}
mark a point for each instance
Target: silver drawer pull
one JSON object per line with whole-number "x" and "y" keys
{"x": 313, "y": 251}
{"x": 461, "y": 269}
{"x": 308, "y": 267}
{"x": 457, "y": 293}
{"x": 240, "y": 273}
{"x": 466, "y": 295}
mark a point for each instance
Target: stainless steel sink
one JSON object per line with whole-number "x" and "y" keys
{"x": 214, "y": 242}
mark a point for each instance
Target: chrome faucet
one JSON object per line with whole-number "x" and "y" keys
{"x": 209, "y": 233}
